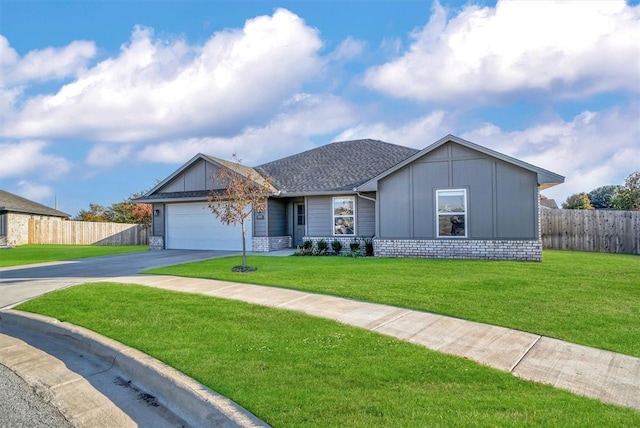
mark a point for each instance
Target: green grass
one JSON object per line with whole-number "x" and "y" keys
{"x": 587, "y": 298}
{"x": 294, "y": 370}
{"x": 28, "y": 254}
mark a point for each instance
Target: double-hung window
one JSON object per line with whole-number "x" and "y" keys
{"x": 451, "y": 207}
{"x": 344, "y": 215}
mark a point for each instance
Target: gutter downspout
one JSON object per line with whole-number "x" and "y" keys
{"x": 365, "y": 197}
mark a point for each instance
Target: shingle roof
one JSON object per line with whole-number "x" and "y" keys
{"x": 245, "y": 171}
{"x": 339, "y": 166}
{"x": 14, "y": 203}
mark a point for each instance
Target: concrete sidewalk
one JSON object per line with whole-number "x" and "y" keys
{"x": 608, "y": 376}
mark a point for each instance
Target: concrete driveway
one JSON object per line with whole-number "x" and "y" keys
{"x": 20, "y": 283}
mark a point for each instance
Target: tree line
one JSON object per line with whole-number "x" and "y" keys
{"x": 127, "y": 211}
{"x": 616, "y": 197}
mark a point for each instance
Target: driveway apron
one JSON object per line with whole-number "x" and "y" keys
{"x": 21, "y": 283}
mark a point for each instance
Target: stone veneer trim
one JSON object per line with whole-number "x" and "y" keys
{"x": 156, "y": 242}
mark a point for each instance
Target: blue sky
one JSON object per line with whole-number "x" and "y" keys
{"x": 101, "y": 99}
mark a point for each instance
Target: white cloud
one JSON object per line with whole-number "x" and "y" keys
{"x": 418, "y": 133}
{"x": 103, "y": 155}
{"x": 570, "y": 48}
{"x": 35, "y": 192}
{"x": 288, "y": 132}
{"x": 157, "y": 88}
{"x": 591, "y": 150}
{"x": 29, "y": 158}
{"x": 43, "y": 64}
{"x": 348, "y": 49}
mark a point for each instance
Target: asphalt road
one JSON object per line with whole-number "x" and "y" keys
{"x": 20, "y": 407}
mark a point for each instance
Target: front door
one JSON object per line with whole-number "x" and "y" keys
{"x": 299, "y": 223}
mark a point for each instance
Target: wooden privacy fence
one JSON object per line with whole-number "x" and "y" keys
{"x": 591, "y": 230}
{"x": 86, "y": 233}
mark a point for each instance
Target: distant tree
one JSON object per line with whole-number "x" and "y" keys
{"x": 127, "y": 211}
{"x": 602, "y": 197}
{"x": 578, "y": 201}
{"x": 94, "y": 213}
{"x": 628, "y": 197}
{"x": 244, "y": 192}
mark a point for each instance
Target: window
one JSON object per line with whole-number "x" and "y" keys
{"x": 300, "y": 215}
{"x": 451, "y": 206}
{"x": 344, "y": 215}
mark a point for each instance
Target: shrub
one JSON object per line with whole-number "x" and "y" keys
{"x": 322, "y": 246}
{"x": 368, "y": 247}
{"x": 307, "y": 245}
{"x": 336, "y": 246}
{"x": 355, "y": 244}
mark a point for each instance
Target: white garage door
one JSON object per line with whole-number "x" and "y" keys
{"x": 194, "y": 227}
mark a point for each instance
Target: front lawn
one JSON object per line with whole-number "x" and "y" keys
{"x": 587, "y": 298}
{"x": 294, "y": 370}
{"x": 28, "y": 254}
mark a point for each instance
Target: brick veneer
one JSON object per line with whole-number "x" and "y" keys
{"x": 525, "y": 250}
{"x": 271, "y": 243}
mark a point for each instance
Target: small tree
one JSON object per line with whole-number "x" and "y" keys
{"x": 244, "y": 192}
{"x": 628, "y": 197}
{"x": 578, "y": 201}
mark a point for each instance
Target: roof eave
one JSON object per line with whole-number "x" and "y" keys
{"x": 60, "y": 214}
{"x": 296, "y": 194}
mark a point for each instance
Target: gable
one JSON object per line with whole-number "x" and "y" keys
{"x": 197, "y": 177}
{"x": 452, "y": 149}
{"x": 501, "y": 196}
{"x": 195, "y": 180}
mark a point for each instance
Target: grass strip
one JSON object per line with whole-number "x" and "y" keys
{"x": 32, "y": 253}
{"x": 587, "y": 298}
{"x": 294, "y": 370}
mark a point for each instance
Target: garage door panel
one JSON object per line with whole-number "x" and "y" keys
{"x": 193, "y": 226}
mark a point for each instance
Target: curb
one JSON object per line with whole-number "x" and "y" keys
{"x": 182, "y": 395}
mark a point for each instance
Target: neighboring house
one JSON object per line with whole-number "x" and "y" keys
{"x": 547, "y": 203}
{"x": 15, "y": 212}
{"x": 453, "y": 199}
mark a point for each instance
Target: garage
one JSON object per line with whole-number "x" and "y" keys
{"x": 192, "y": 226}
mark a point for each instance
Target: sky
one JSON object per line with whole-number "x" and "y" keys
{"x": 102, "y": 99}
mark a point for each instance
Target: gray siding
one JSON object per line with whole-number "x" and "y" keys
{"x": 3, "y": 224}
{"x": 502, "y": 198}
{"x": 394, "y": 201}
{"x": 201, "y": 176}
{"x": 426, "y": 176}
{"x": 194, "y": 177}
{"x": 365, "y": 217}
{"x": 277, "y": 214}
{"x": 260, "y": 221}
{"x": 157, "y": 220}
{"x": 478, "y": 176}
{"x": 319, "y": 216}
{"x": 516, "y": 203}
